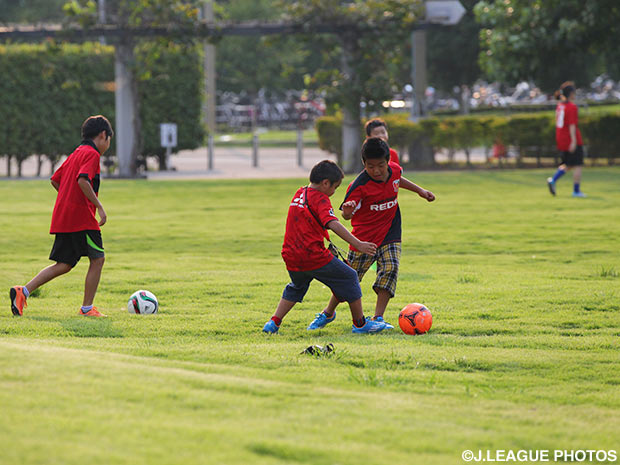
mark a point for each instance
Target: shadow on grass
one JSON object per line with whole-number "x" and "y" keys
{"x": 290, "y": 453}
{"x": 90, "y": 327}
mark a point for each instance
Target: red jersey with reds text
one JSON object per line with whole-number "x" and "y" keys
{"x": 308, "y": 216}
{"x": 376, "y": 217}
{"x": 73, "y": 211}
{"x": 565, "y": 115}
{"x": 394, "y": 156}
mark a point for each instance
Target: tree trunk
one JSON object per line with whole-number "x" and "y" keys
{"x": 421, "y": 154}
{"x": 467, "y": 155}
{"x": 351, "y": 115}
{"x": 19, "y": 166}
{"x": 8, "y": 166}
{"x": 128, "y": 125}
{"x": 39, "y": 165}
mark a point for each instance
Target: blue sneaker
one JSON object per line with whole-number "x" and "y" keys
{"x": 271, "y": 327}
{"x": 369, "y": 327}
{"x": 320, "y": 321}
{"x": 551, "y": 185}
{"x": 380, "y": 318}
{"x": 579, "y": 194}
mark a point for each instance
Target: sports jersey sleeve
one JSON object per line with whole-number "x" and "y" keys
{"x": 354, "y": 192}
{"x": 325, "y": 211}
{"x": 89, "y": 167}
{"x": 57, "y": 176}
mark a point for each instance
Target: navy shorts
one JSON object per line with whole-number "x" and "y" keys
{"x": 339, "y": 277}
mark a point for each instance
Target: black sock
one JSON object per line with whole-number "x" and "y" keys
{"x": 359, "y": 323}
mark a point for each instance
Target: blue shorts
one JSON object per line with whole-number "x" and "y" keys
{"x": 339, "y": 277}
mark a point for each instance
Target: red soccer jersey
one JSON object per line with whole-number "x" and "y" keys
{"x": 565, "y": 115}
{"x": 394, "y": 156}
{"x": 308, "y": 216}
{"x": 376, "y": 217}
{"x": 73, "y": 211}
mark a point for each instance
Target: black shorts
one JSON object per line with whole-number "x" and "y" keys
{"x": 573, "y": 159}
{"x": 69, "y": 247}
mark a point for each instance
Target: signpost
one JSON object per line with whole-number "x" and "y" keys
{"x": 168, "y": 133}
{"x": 439, "y": 12}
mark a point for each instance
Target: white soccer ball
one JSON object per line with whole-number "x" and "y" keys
{"x": 142, "y": 303}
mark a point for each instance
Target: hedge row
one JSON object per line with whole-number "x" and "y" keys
{"x": 47, "y": 90}
{"x": 532, "y": 134}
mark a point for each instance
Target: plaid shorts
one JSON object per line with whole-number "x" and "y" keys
{"x": 388, "y": 261}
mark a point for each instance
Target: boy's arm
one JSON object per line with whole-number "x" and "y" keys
{"x": 364, "y": 247}
{"x": 573, "y": 138}
{"x": 84, "y": 184}
{"x": 348, "y": 208}
{"x": 55, "y": 184}
{"x": 410, "y": 186}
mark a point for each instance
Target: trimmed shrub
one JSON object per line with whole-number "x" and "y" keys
{"x": 48, "y": 90}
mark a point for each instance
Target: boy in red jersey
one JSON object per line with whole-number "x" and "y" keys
{"x": 568, "y": 139}
{"x": 310, "y": 215}
{"x": 73, "y": 221}
{"x": 378, "y": 128}
{"x": 371, "y": 203}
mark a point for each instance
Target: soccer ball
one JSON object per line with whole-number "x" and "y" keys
{"x": 415, "y": 319}
{"x": 143, "y": 303}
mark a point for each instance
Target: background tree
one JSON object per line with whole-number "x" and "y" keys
{"x": 371, "y": 40}
{"x": 548, "y": 41}
{"x": 31, "y": 11}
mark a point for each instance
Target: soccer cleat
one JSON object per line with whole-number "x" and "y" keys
{"x": 581, "y": 195}
{"x": 320, "y": 321}
{"x": 551, "y": 185}
{"x": 380, "y": 318}
{"x": 92, "y": 312}
{"x": 18, "y": 300}
{"x": 271, "y": 327}
{"x": 370, "y": 327}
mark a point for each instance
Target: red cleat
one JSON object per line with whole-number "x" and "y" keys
{"x": 92, "y": 312}
{"x": 18, "y": 300}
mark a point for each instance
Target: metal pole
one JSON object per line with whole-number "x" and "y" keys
{"x": 300, "y": 147}
{"x": 414, "y": 110}
{"x": 168, "y": 154}
{"x": 210, "y": 152}
{"x": 255, "y": 150}
{"x": 101, "y": 18}
{"x": 209, "y": 69}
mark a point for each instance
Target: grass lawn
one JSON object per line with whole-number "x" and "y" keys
{"x": 523, "y": 353}
{"x": 268, "y": 138}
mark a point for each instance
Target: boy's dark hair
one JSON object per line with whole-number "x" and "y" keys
{"x": 375, "y": 148}
{"x": 93, "y": 126}
{"x": 326, "y": 169}
{"x": 374, "y": 123}
{"x": 565, "y": 90}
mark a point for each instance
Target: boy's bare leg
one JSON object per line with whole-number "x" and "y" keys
{"x": 331, "y": 306}
{"x": 284, "y": 306}
{"x": 47, "y": 274}
{"x": 383, "y": 297}
{"x": 356, "y": 310}
{"x": 92, "y": 280}
{"x": 576, "y": 176}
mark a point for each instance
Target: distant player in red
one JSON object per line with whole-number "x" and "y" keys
{"x": 568, "y": 138}
{"x": 310, "y": 215}
{"x": 378, "y": 128}
{"x": 74, "y": 223}
{"x": 371, "y": 203}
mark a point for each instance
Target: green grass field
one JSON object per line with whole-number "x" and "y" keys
{"x": 523, "y": 353}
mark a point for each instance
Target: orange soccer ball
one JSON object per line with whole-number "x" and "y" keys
{"x": 415, "y": 319}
